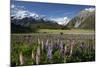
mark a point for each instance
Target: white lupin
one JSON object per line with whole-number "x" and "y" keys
{"x": 47, "y": 42}
{"x": 21, "y": 59}
{"x": 38, "y": 41}
{"x": 37, "y": 59}
{"x": 38, "y": 55}
{"x": 33, "y": 56}
{"x": 65, "y": 49}
{"x": 72, "y": 45}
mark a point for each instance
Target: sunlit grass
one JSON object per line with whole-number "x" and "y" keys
{"x": 72, "y": 31}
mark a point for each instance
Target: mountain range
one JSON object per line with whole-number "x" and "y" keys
{"x": 29, "y": 22}
{"x": 84, "y": 20}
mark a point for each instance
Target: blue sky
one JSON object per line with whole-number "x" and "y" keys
{"x": 50, "y": 11}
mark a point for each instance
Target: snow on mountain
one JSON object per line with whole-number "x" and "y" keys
{"x": 19, "y": 12}
{"x": 82, "y": 16}
{"x": 61, "y": 20}
{"x": 89, "y": 9}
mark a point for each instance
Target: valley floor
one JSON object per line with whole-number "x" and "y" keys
{"x": 59, "y": 31}
{"x": 72, "y": 31}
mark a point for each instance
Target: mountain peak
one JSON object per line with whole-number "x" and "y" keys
{"x": 84, "y": 19}
{"x": 20, "y": 14}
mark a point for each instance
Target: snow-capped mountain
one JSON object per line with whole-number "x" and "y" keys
{"x": 61, "y": 20}
{"x": 84, "y": 19}
{"x": 20, "y": 14}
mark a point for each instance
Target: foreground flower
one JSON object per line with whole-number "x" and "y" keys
{"x": 38, "y": 55}
{"x": 71, "y": 47}
{"x": 49, "y": 51}
{"x": 21, "y": 59}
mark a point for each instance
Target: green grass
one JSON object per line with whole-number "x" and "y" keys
{"x": 72, "y": 31}
{"x": 58, "y": 31}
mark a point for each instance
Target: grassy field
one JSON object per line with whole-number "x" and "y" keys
{"x": 50, "y": 47}
{"x": 43, "y": 49}
{"x": 72, "y": 31}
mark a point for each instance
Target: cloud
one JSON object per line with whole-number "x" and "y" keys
{"x": 12, "y": 6}
{"x": 20, "y": 12}
{"x": 90, "y": 9}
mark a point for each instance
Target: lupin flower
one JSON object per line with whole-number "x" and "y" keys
{"x": 21, "y": 59}
{"x": 38, "y": 55}
{"x": 46, "y": 44}
{"x": 61, "y": 47}
{"x": 71, "y": 48}
{"x": 33, "y": 55}
{"x": 57, "y": 44}
{"x": 82, "y": 46}
{"x": 37, "y": 59}
{"x": 49, "y": 51}
{"x": 65, "y": 50}
{"x": 42, "y": 45}
{"x": 38, "y": 41}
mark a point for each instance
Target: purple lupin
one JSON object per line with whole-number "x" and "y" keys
{"x": 61, "y": 47}
{"x": 49, "y": 51}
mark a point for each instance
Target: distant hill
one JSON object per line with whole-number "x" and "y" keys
{"x": 30, "y": 24}
{"x": 84, "y": 20}
{"x": 20, "y": 29}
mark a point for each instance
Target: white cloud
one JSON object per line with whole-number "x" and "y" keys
{"x": 12, "y": 6}
{"x": 90, "y": 9}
